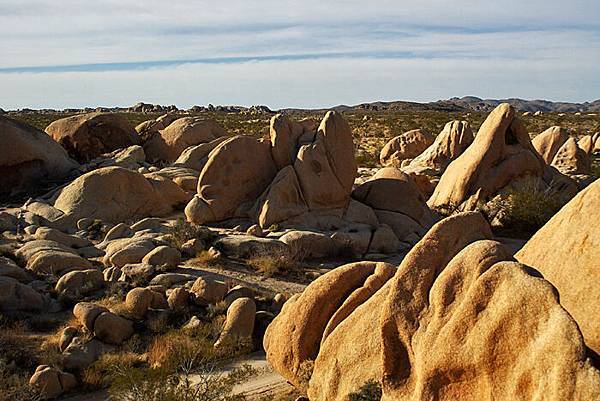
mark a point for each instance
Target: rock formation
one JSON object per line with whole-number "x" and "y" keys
{"x": 549, "y": 142}
{"x": 87, "y": 136}
{"x": 571, "y": 159}
{"x": 405, "y": 147}
{"x": 500, "y": 154}
{"x": 458, "y": 320}
{"x": 29, "y": 157}
{"x": 114, "y": 194}
{"x": 566, "y": 251}
{"x": 167, "y": 144}
{"x": 298, "y": 172}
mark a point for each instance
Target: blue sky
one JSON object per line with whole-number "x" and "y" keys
{"x": 294, "y": 53}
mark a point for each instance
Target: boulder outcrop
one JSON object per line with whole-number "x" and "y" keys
{"x": 549, "y": 142}
{"x": 500, "y": 154}
{"x": 87, "y": 136}
{"x": 29, "y": 157}
{"x": 405, "y": 147}
{"x": 167, "y": 144}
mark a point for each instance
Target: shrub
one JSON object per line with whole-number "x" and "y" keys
{"x": 183, "y": 231}
{"x": 525, "y": 208}
{"x": 276, "y": 263}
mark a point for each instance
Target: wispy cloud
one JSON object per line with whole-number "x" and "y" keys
{"x": 110, "y": 39}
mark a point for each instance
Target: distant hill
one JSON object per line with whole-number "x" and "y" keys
{"x": 472, "y": 103}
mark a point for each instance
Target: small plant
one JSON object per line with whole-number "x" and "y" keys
{"x": 370, "y": 391}
{"x": 183, "y": 231}
{"x": 305, "y": 371}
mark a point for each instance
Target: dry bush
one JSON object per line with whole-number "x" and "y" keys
{"x": 102, "y": 372}
{"x": 525, "y": 208}
{"x": 183, "y": 231}
{"x": 206, "y": 258}
{"x": 277, "y": 263}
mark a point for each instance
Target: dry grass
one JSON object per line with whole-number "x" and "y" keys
{"x": 101, "y": 373}
{"x": 206, "y": 258}
{"x": 283, "y": 262}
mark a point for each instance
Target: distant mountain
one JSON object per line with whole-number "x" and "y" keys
{"x": 472, "y": 103}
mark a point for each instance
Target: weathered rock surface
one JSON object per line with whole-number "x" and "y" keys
{"x": 397, "y": 202}
{"x": 500, "y": 153}
{"x": 406, "y": 146}
{"x": 16, "y": 296}
{"x": 51, "y": 382}
{"x": 87, "y": 136}
{"x": 182, "y": 133}
{"x": 195, "y": 157}
{"x": 549, "y": 142}
{"x": 114, "y": 194}
{"x": 458, "y": 320}
{"x": 75, "y": 284}
{"x": 239, "y": 323}
{"x": 29, "y": 157}
{"x": 566, "y": 251}
{"x": 571, "y": 159}
{"x": 296, "y": 333}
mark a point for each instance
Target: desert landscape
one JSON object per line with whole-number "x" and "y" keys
{"x": 384, "y": 251}
{"x": 299, "y": 200}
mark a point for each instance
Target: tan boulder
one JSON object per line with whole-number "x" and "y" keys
{"x": 87, "y": 136}
{"x": 326, "y": 168}
{"x": 209, "y": 291}
{"x": 239, "y": 323}
{"x": 586, "y": 144}
{"x": 500, "y": 153}
{"x": 52, "y": 234}
{"x": 127, "y": 251}
{"x": 51, "y": 382}
{"x": 56, "y": 262}
{"x": 114, "y": 194}
{"x": 182, "y": 133}
{"x": 294, "y": 337}
{"x": 282, "y": 200}
{"x": 195, "y": 157}
{"x": 447, "y": 146}
{"x": 29, "y": 157}
{"x": 549, "y": 142}
{"x": 406, "y": 146}
{"x": 149, "y": 128}
{"x": 78, "y": 283}
{"x": 571, "y": 159}
{"x": 178, "y": 299}
{"x": 112, "y": 329}
{"x": 396, "y": 201}
{"x": 137, "y": 302}
{"x": 237, "y": 172}
{"x": 309, "y": 244}
{"x": 286, "y": 135}
{"x": 566, "y": 251}
{"x": 86, "y": 313}
{"x": 163, "y": 256}
{"x": 18, "y": 297}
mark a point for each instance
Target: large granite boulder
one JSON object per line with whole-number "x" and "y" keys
{"x": 29, "y": 157}
{"x": 87, "y": 136}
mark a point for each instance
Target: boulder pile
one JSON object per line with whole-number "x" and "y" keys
{"x": 458, "y": 319}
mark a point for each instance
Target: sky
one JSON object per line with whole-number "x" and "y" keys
{"x": 309, "y": 53}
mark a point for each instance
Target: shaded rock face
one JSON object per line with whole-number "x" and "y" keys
{"x": 566, "y": 251}
{"x": 29, "y": 157}
{"x": 115, "y": 194}
{"x": 167, "y": 144}
{"x": 299, "y": 172}
{"x": 549, "y": 142}
{"x": 149, "y": 128}
{"x": 500, "y": 154}
{"x": 406, "y": 146}
{"x": 294, "y": 337}
{"x": 397, "y": 202}
{"x": 459, "y": 319}
{"x": 570, "y": 159}
{"x": 87, "y": 136}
